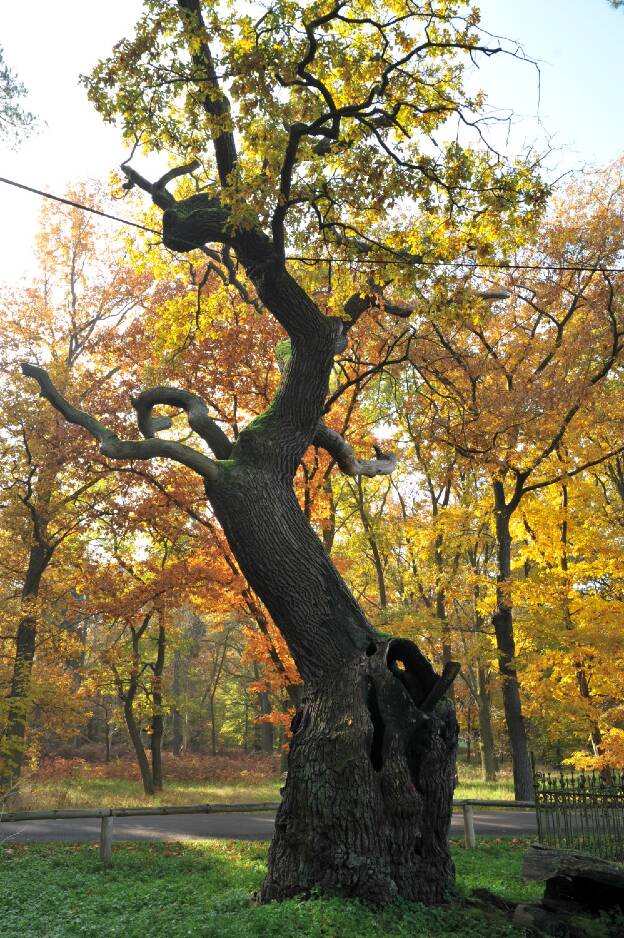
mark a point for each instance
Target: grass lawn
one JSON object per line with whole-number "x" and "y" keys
{"x": 84, "y": 789}
{"x": 472, "y": 786}
{"x": 206, "y": 889}
{"x": 127, "y": 793}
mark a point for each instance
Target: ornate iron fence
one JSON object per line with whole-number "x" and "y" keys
{"x": 583, "y": 811}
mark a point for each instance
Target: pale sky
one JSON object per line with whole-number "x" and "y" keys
{"x": 579, "y": 44}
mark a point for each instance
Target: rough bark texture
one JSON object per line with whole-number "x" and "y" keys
{"x": 286, "y": 564}
{"x": 576, "y": 884}
{"x": 367, "y": 803}
{"x": 368, "y": 798}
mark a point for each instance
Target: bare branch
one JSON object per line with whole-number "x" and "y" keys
{"x": 110, "y": 444}
{"x": 342, "y": 452}
{"x": 360, "y": 303}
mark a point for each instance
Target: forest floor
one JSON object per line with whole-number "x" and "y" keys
{"x": 227, "y": 779}
{"x": 206, "y": 889}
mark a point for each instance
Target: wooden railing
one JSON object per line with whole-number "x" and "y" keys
{"x": 468, "y": 804}
{"x": 108, "y": 814}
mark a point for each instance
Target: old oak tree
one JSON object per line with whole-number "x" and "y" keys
{"x": 314, "y": 128}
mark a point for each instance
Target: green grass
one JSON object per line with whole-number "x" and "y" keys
{"x": 80, "y": 791}
{"x": 472, "y": 786}
{"x": 205, "y": 890}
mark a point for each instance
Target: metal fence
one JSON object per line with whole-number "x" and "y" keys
{"x": 583, "y": 811}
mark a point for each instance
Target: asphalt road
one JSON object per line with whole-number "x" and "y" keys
{"x": 258, "y": 826}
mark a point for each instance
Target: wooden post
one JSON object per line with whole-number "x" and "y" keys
{"x": 469, "y": 831}
{"x": 106, "y": 841}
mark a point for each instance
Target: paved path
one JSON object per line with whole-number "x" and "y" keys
{"x": 257, "y": 826}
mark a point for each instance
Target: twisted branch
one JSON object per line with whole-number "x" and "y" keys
{"x": 196, "y": 411}
{"x": 110, "y": 444}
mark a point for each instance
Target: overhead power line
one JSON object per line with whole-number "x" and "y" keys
{"x": 84, "y": 208}
{"x": 397, "y": 261}
{"x": 460, "y": 265}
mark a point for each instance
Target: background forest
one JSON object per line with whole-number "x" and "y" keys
{"x": 141, "y": 638}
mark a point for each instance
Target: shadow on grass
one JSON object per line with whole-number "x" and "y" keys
{"x": 206, "y": 889}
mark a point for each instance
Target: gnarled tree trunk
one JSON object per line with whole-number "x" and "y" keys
{"x": 367, "y": 802}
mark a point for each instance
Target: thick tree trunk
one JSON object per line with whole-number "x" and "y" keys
{"x": 506, "y": 646}
{"x": 367, "y": 803}
{"x": 13, "y": 740}
{"x": 286, "y": 565}
{"x": 368, "y": 798}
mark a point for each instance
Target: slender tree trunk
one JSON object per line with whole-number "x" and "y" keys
{"x": 156, "y": 751}
{"x": 158, "y": 724}
{"x": 246, "y": 724}
{"x": 371, "y": 537}
{"x": 489, "y": 765}
{"x": 329, "y": 525}
{"x": 469, "y": 731}
{"x": 127, "y": 696}
{"x": 264, "y": 730}
{"x": 447, "y": 651}
{"x": 213, "y": 725}
{"x": 506, "y": 647}
{"x": 12, "y": 742}
{"x": 107, "y": 741}
{"x": 137, "y": 743}
{"x": 595, "y": 736}
{"x": 176, "y": 716}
